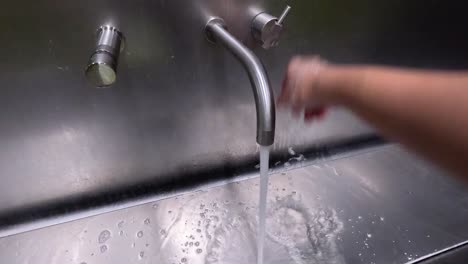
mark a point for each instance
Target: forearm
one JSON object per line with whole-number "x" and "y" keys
{"x": 426, "y": 111}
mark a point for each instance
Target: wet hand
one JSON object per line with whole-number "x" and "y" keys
{"x": 301, "y": 87}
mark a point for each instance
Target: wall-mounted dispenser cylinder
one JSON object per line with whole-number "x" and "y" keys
{"x": 102, "y": 66}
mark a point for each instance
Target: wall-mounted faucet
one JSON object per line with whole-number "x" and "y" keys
{"x": 216, "y": 32}
{"x": 102, "y": 66}
{"x": 267, "y": 29}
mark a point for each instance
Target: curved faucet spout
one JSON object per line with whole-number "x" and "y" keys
{"x": 264, "y": 98}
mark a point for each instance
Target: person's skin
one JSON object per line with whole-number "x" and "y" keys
{"x": 427, "y": 111}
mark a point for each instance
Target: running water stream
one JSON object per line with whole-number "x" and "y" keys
{"x": 262, "y": 203}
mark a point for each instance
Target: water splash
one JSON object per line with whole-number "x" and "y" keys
{"x": 140, "y": 234}
{"x": 294, "y": 234}
{"x": 103, "y": 248}
{"x": 104, "y": 236}
{"x": 308, "y": 236}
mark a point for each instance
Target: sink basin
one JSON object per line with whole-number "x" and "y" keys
{"x": 375, "y": 205}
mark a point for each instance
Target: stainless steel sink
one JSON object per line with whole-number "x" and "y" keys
{"x": 375, "y": 205}
{"x": 174, "y": 137}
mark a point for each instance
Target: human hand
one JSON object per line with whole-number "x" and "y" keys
{"x": 301, "y": 89}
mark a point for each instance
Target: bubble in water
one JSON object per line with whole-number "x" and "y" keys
{"x": 155, "y": 206}
{"x": 162, "y": 232}
{"x": 147, "y": 221}
{"x": 197, "y": 244}
{"x": 169, "y": 212}
{"x": 103, "y": 248}
{"x": 104, "y": 236}
{"x": 121, "y": 233}
{"x": 359, "y": 217}
{"x": 199, "y": 230}
{"x": 382, "y": 219}
{"x": 369, "y": 235}
{"x": 141, "y": 254}
{"x": 121, "y": 224}
{"x": 133, "y": 245}
{"x": 191, "y": 244}
{"x": 140, "y": 234}
{"x": 183, "y": 260}
{"x": 199, "y": 250}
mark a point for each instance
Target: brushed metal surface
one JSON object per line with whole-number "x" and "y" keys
{"x": 180, "y": 104}
{"x": 383, "y": 206}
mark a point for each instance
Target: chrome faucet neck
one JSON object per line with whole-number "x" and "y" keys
{"x": 264, "y": 99}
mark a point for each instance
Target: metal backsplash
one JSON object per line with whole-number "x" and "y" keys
{"x": 180, "y": 104}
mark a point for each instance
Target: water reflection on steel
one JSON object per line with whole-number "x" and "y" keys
{"x": 320, "y": 213}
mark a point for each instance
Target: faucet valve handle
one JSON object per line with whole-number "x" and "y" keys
{"x": 267, "y": 29}
{"x": 284, "y": 15}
